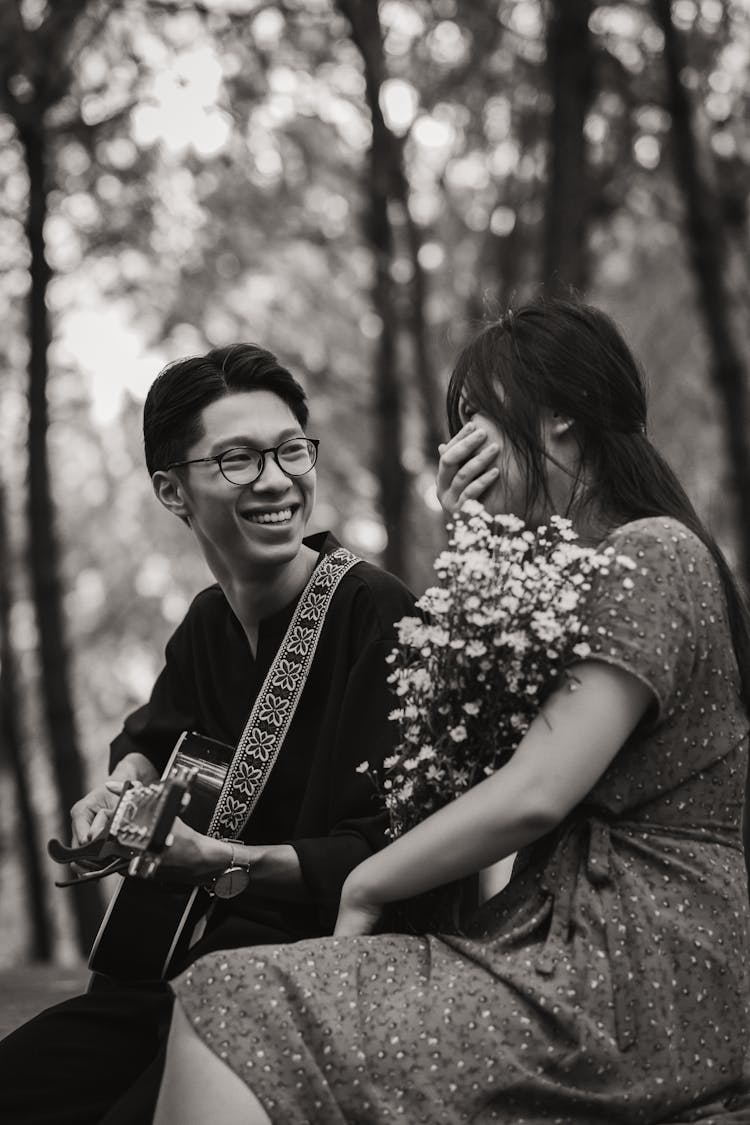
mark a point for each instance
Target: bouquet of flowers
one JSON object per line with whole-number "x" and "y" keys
{"x": 494, "y": 638}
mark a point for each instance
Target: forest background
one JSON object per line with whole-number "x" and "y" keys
{"x": 355, "y": 185}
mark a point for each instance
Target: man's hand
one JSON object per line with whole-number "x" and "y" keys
{"x": 466, "y": 468}
{"x": 193, "y": 857}
{"x": 91, "y": 815}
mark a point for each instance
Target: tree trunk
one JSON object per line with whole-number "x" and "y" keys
{"x": 366, "y": 34}
{"x": 429, "y": 388}
{"x": 708, "y": 252}
{"x": 44, "y": 552}
{"x": 11, "y": 750}
{"x": 570, "y": 69}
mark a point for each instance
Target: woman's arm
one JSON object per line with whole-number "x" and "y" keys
{"x": 562, "y": 755}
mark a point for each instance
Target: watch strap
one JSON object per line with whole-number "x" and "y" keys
{"x": 233, "y": 864}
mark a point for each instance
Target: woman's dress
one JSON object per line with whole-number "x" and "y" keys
{"x": 607, "y": 983}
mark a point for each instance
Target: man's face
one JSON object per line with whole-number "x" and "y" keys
{"x": 246, "y": 529}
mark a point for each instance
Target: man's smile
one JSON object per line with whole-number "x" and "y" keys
{"x": 269, "y": 515}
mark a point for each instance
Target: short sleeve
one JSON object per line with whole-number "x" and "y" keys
{"x": 640, "y": 613}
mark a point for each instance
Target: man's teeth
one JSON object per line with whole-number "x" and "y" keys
{"x": 270, "y": 517}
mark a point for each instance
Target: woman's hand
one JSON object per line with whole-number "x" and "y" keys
{"x": 466, "y": 468}
{"x": 358, "y": 914}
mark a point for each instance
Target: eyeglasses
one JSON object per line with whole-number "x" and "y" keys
{"x": 295, "y": 457}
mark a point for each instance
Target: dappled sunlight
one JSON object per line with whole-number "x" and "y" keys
{"x": 103, "y": 345}
{"x": 211, "y": 178}
{"x": 399, "y": 102}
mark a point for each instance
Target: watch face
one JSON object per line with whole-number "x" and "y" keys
{"x": 232, "y": 882}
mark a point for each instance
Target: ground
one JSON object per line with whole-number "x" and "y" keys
{"x": 28, "y": 989}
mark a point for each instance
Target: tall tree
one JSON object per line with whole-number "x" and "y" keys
{"x": 11, "y": 750}
{"x": 388, "y": 148}
{"x": 570, "y": 69}
{"x": 707, "y": 242}
{"x": 366, "y": 31}
{"x": 35, "y": 76}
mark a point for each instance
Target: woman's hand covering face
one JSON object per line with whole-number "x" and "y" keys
{"x": 466, "y": 468}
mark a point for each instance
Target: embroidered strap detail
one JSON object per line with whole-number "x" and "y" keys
{"x": 272, "y": 713}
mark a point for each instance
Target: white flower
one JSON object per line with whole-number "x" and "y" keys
{"x": 567, "y": 600}
{"x": 363, "y": 767}
{"x": 438, "y": 636}
{"x": 420, "y": 680}
{"x": 435, "y": 600}
{"x": 510, "y": 525}
{"x": 517, "y": 640}
{"x": 411, "y": 631}
{"x": 497, "y": 629}
{"x": 472, "y": 508}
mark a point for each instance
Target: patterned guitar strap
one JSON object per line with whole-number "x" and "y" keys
{"x": 277, "y": 700}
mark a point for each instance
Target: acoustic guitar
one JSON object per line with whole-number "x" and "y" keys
{"x": 151, "y": 922}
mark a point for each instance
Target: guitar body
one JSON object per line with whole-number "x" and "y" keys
{"x": 149, "y": 924}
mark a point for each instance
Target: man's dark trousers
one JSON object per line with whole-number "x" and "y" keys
{"x": 97, "y": 1059}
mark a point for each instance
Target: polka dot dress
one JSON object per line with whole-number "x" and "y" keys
{"x": 607, "y": 983}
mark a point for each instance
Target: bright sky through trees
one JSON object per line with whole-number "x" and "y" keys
{"x": 184, "y": 111}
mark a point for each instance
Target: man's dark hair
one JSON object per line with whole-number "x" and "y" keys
{"x": 178, "y": 396}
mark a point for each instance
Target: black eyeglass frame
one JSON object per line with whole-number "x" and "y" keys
{"x": 274, "y": 451}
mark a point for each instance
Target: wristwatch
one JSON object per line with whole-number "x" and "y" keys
{"x": 234, "y": 879}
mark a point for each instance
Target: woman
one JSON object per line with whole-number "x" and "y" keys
{"x": 608, "y": 982}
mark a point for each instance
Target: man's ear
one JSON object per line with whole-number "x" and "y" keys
{"x": 169, "y": 492}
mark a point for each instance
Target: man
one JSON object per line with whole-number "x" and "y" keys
{"x": 227, "y": 451}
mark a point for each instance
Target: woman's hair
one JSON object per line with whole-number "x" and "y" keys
{"x": 571, "y": 358}
{"x": 179, "y": 395}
